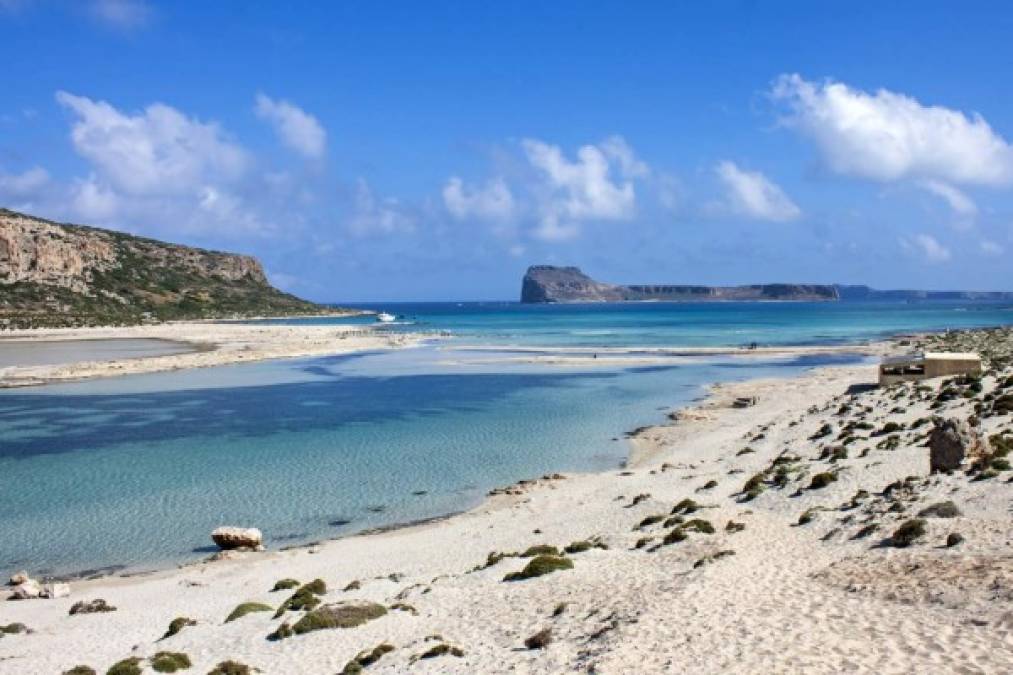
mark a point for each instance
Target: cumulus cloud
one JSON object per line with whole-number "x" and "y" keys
{"x": 297, "y": 129}
{"x": 121, "y": 14}
{"x": 752, "y": 194}
{"x": 157, "y": 151}
{"x": 375, "y": 216}
{"x": 888, "y": 136}
{"x": 927, "y": 247}
{"x": 493, "y": 201}
{"x": 584, "y": 189}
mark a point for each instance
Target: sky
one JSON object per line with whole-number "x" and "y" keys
{"x": 378, "y": 151}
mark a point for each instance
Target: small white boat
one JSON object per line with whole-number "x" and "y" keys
{"x": 384, "y": 317}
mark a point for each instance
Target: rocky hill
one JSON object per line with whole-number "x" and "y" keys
{"x": 545, "y": 283}
{"x": 53, "y": 274}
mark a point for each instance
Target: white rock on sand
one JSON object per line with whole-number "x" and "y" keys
{"x": 229, "y": 538}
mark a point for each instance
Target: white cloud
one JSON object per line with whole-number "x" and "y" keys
{"x": 927, "y": 246}
{"x": 990, "y": 248}
{"x": 297, "y": 129}
{"x": 958, "y": 202}
{"x": 92, "y": 202}
{"x": 616, "y": 148}
{"x": 159, "y": 151}
{"x": 494, "y": 201}
{"x": 888, "y": 136}
{"x": 372, "y": 216}
{"x": 580, "y": 190}
{"x": 23, "y": 184}
{"x": 752, "y": 194}
{"x": 121, "y": 14}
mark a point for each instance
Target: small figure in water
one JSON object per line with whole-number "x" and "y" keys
{"x": 595, "y": 355}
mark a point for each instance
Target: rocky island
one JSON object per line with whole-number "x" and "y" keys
{"x": 54, "y": 275}
{"x": 546, "y": 283}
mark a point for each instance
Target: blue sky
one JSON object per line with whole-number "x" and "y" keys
{"x": 426, "y": 151}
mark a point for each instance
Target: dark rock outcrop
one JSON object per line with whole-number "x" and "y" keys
{"x": 53, "y": 274}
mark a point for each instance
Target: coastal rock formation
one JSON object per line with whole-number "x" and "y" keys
{"x": 230, "y": 538}
{"x": 53, "y": 274}
{"x": 545, "y": 283}
{"x": 951, "y": 442}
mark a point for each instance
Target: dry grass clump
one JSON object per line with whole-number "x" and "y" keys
{"x": 284, "y": 585}
{"x": 304, "y": 599}
{"x": 734, "y": 527}
{"x": 685, "y": 507}
{"x": 707, "y": 559}
{"x": 80, "y": 670}
{"x": 822, "y": 479}
{"x": 91, "y": 607}
{"x": 584, "y": 545}
{"x": 442, "y": 649}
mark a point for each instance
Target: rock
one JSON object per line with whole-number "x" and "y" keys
{"x": 951, "y": 442}
{"x": 53, "y": 591}
{"x": 91, "y": 607}
{"x": 953, "y": 539}
{"x": 19, "y": 578}
{"x": 28, "y": 590}
{"x": 744, "y": 402}
{"x": 229, "y": 538}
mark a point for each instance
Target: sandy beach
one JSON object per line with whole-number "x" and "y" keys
{"x": 213, "y": 344}
{"x": 785, "y": 558}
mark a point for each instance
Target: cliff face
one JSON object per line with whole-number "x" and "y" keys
{"x": 53, "y": 274}
{"x": 545, "y": 283}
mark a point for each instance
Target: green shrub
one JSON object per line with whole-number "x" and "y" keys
{"x": 80, "y": 670}
{"x": 131, "y": 666}
{"x": 540, "y": 549}
{"x": 441, "y": 650}
{"x": 178, "y": 624}
{"x": 366, "y": 658}
{"x": 231, "y": 668}
{"x": 170, "y": 662}
{"x": 698, "y": 525}
{"x": 339, "y": 615}
{"x": 685, "y": 507}
{"x": 284, "y": 585}
{"x": 674, "y": 537}
{"x": 247, "y": 608}
{"x": 539, "y": 566}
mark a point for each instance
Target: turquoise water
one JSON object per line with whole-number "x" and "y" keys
{"x": 685, "y": 324}
{"x": 136, "y": 471}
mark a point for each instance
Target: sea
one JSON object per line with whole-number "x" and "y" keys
{"x": 133, "y": 473}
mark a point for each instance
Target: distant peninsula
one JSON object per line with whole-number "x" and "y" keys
{"x": 54, "y": 275}
{"x": 549, "y": 284}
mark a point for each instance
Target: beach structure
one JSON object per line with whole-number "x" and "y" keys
{"x": 926, "y": 365}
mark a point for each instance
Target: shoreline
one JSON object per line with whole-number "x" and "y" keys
{"x": 620, "y": 601}
{"x": 212, "y": 344}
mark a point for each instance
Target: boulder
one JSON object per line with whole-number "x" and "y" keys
{"x": 951, "y": 442}
{"x": 19, "y": 578}
{"x": 229, "y": 538}
{"x": 28, "y": 590}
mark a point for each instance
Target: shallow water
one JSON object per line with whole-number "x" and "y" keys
{"x": 24, "y": 353}
{"x": 138, "y": 470}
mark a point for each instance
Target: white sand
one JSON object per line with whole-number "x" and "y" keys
{"x": 215, "y": 344}
{"x": 786, "y": 601}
